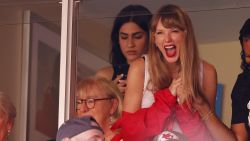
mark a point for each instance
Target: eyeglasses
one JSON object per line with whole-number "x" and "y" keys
{"x": 90, "y": 102}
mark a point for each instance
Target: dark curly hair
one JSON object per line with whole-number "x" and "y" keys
{"x": 131, "y": 13}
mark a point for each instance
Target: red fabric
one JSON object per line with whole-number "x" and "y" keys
{"x": 191, "y": 124}
{"x": 146, "y": 123}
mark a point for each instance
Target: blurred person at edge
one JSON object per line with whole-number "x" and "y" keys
{"x": 129, "y": 41}
{"x": 100, "y": 98}
{"x": 83, "y": 128}
{"x": 7, "y": 116}
{"x": 240, "y": 96}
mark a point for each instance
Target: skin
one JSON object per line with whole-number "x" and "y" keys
{"x": 102, "y": 115}
{"x": 239, "y": 129}
{"x": 133, "y": 42}
{"x": 246, "y": 47}
{"x": 168, "y": 38}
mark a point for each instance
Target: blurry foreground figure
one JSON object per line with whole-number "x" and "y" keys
{"x": 241, "y": 90}
{"x": 80, "y": 129}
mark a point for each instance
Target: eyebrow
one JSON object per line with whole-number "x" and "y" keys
{"x": 139, "y": 32}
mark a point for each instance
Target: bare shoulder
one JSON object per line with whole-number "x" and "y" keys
{"x": 208, "y": 68}
{"x": 137, "y": 66}
{"x": 106, "y": 72}
{"x": 135, "y": 83}
{"x": 209, "y": 83}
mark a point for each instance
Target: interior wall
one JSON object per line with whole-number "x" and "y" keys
{"x": 225, "y": 56}
{"x": 10, "y": 60}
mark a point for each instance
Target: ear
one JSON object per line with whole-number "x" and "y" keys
{"x": 114, "y": 107}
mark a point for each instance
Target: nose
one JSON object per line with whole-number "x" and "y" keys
{"x": 83, "y": 108}
{"x": 131, "y": 42}
{"x": 167, "y": 37}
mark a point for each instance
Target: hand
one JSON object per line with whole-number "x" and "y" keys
{"x": 120, "y": 83}
{"x": 174, "y": 86}
{"x": 178, "y": 90}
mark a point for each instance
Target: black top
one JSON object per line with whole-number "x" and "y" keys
{"x": 120, "y": 69}
{"x": 240, "y": 98}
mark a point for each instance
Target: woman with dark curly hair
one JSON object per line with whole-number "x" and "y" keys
{"x": 129, "y": 41}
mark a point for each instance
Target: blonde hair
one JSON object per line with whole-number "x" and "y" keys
{"x": 7, "y": 109}
{"x": 160, "y": 76}
{"x": 104, "y": 85}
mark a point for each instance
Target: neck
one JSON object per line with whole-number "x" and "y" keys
{"x": 174, "y": 69}
{"x": 108, "y": 135}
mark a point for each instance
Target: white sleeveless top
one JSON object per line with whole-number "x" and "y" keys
{"x": 148, "y": 96}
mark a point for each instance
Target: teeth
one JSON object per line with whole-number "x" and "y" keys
{"x": 169, "y": 47}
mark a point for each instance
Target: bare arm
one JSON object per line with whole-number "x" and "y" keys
{"x": 210, "y": 84}
{"x": 218, "y": 130}
{"x": 216, "y": 127}
{"x": 135, "y": 83}
{"x": 240, "y": 131}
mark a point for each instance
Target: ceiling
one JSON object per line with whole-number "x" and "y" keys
{"x": 213, "y": 20}
{"x": 109, "y": 8}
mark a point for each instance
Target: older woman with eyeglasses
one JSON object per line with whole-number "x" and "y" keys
{"x": 101, "y": 99}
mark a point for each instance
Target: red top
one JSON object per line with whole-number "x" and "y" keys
{"x": 147, "y": 123}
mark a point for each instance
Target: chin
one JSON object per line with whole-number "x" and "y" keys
{"x": 130, "y": 59}
{"x": 172, "y": 59}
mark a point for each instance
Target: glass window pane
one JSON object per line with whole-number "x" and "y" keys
{"x": 30, "y": 59}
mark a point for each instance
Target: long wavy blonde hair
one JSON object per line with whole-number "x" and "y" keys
{"x": 189, "y": 61}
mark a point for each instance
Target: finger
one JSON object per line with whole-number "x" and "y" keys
{"x": 118, "y": 77}
{"x": 177, "y": 81}
{"x": 174, "y": 85}
{"x": 123, "y": 82}
{"x": 122, "y": 90}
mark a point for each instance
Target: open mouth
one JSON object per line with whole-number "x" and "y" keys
{"x": 170, "y": 51}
